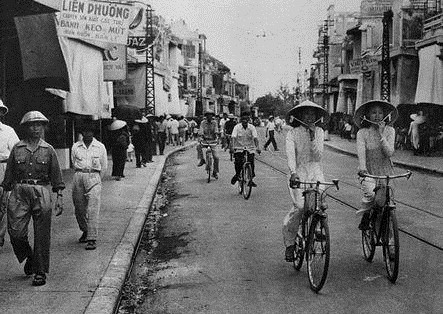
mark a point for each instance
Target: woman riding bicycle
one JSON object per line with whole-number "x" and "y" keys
{"x": 375, "y": 147}
{"x": 208, "y": 134}
{"x": 244, "y": 135}
{"x": 304, "y": 151}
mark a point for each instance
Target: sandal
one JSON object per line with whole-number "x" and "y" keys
{"x": 91, "y": 245}
{"x": 39, "y": 280}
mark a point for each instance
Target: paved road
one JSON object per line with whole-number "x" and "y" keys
{"x": 231, "y": 260}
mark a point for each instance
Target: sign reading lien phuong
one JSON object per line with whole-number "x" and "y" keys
{"x": 95, "y": 20}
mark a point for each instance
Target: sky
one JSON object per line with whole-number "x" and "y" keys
{"x": 259, "y": 40}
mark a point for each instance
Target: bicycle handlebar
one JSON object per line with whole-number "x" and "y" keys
{"x": 406, "y": 175}
{"x": 317, "y": 183}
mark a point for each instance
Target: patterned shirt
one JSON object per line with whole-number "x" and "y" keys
{"x": 40, "y": 164}
{"x": 208, "y": 130}
{"x": 93, "y": 157}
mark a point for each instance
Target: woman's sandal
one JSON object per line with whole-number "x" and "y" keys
{"x": 39, "y": 280}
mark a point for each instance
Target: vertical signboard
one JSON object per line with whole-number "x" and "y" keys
{"x": 114, "y": 63}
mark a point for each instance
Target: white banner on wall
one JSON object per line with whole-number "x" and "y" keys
{"x": 95, "y": 20}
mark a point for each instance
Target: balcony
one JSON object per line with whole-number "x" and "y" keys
{"x": 432, "y": 31}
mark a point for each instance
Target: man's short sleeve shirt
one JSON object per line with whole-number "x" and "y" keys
{"x": 244, "y": 137}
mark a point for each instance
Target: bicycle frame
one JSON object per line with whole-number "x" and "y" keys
{"x": 314, "y": 243}
{"x": 209, "y": 157}
{"x": 243, "y": 186}
{"x": 383, "y": 229}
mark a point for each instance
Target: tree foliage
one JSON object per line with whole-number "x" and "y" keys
{"x": 278, "y": 104}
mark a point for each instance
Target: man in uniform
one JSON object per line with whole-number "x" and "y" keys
{"x": 8, "y": 138}
{"x": 90, "y": 161}
{"x": 31, "y": 168}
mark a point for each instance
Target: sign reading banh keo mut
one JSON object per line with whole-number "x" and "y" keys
{"x": 95, "y": 20}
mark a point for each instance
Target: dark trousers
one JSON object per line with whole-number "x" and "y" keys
{"x": 271, "y": 140}
{"x": 140, "y": 155}
{"x": 161, "y": 138}
{"x": 118, "y": 161}
{"x": 238, "y": 162}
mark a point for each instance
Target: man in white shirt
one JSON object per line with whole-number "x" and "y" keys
{"x": 90, "y": 161}
{"x": 8, "y": 138}
{"x": 244, "y": 135}
{"x": 270, "y": 130}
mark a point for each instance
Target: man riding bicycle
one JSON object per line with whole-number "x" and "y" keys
{"x": 208, "y": 134}
{"x": 244, "y": 135}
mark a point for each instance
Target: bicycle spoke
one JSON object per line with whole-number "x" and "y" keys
{"x": 318, "y": 254}
{"x": 391, "y": 247}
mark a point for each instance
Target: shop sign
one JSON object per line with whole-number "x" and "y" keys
{"x": 114, "y": 63}
{"x": 94, "y": 20}
{"x": 374, "y": 7}
{"x": 123, "y": 89}
{"x": 363, "y": 65}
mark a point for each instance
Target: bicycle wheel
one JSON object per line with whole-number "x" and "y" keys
{"x": 391, "y": 245}
{"x": 368, "y": 240}
{"x": 209, "y": 164}
{"x": 318, "y": 253}
{"x": 240, "y": 184}
{"x": 299, "y": 247}
{"x": 247, "y": 178}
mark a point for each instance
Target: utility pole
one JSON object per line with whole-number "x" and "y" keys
{"x": 325, "y": 62}
{"x": 385, "y": 90}
{"x": 150, "y": 90}
{"x": 298, "y": 87}
{"x": 199, "y": 102}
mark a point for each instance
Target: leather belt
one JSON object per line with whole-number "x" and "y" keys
{"x": 4, "y": 161}
{"x": 87, "y": 170}
{"x": 33, "y": 182}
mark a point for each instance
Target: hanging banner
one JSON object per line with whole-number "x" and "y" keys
{"x": 114, "y": 63}
{"x": 94, "y": 20}
{"x": 366, "y": 64}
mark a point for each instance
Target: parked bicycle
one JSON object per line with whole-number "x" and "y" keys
{"x": 383, "y": 227}
{"x": 313, "y": 240}
{"x": 210, "y": 146}
{"x": 245, "y": 178}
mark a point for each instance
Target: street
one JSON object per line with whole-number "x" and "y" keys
{"x": 230, "y": 258}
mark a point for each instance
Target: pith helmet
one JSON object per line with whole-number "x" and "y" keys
{"x": 116, "y": 125}
{"x": 3, "y": 108}
{"x": 34, "y": 116}
{"x": 142, "y": 120}
{"x": 390, "y": 112}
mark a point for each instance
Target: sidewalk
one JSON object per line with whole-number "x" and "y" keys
{"x": 82, "y": 281}
{"x": 401, "y": 158}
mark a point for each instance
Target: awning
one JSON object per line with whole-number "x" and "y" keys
{"x": 430, "y": 76}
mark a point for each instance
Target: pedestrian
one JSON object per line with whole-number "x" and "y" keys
{"x": 375, "y": 147}
{"x": 90, "y": 161}
{"x": 119, "y": 138}
{"x": 208, "y": 134}
{"x": 162, "y": 134}
{"x": 244, "y": 135}
{"x": 304, "y": 151}
{"x": 140, "y": 140}
{"x": 182, "y": 127}
{"x": 174, "y": 131}
{"x": 223, "y": 120}
{"x": 31, "y": 168}
{"x": 413, "y": 131}
{"x": 270, "y": 131}
{"x": 229, "y": 127}
{"x": 8, "y": 138}
{"x": 152, "y": 141}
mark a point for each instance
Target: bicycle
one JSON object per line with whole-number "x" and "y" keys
{"x": 209, "y": 157}
{"x": 313, "y": 241}
{"x": 383, "y": 227}
{"x": 245, "y": 177}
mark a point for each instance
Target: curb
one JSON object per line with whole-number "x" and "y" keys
{"x": 401, "y": 164}
{"x": 106, "y": 297}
